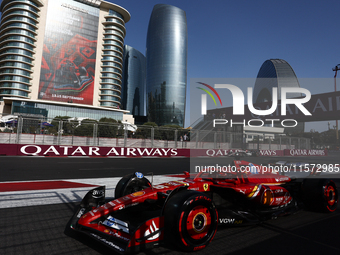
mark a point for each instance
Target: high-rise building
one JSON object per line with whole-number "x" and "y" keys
{"x": 134, "y": 78}
{"x": 276, "y": 73}
{"x": 62, "y": 57}
{"x": 166, "y": 58}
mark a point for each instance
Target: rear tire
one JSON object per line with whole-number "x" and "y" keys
{"x": 190, "y": 220}
{"x": 320, "y": 194}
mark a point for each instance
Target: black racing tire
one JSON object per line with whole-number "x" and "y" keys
{"x": 320, "y": 194}
{"x": 191, "y": 220}
{"x": 130, "y": 184}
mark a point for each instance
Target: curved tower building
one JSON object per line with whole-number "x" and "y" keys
{"x": 18, "y": 43}
{"x": 133, "y": 89}
{"x": 62, "y": 58}
{"x": 166, "y": 58}
{"x": 275, "y": 73}
{"x": 112, "y": 58}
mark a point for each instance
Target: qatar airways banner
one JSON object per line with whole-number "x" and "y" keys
{"x": 98, "y": 151}
{"x": 271, "y": 153}
{"x": 296, "y": 152}
{"x": 260, "y": 153}
{"x": 293, "y": 153}
{"x": 91, "y": 151}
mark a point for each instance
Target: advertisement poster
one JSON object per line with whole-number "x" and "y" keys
{"x": 69, "y": 53}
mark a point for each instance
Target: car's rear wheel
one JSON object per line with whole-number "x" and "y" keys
{"x": 320, "y": 194}
{"x": 130, "y": 184}
{"x": 190, "y": 220}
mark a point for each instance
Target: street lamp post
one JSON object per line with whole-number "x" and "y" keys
{"x": 336, "y": 68}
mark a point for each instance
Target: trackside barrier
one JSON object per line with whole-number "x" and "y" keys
{"x": 90, "y": 151}
{"x": 86, "y": 132}
{"x": 101, "y": 151}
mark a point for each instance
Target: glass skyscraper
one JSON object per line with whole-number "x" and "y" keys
{"x": 133, "y": 86}
{"x": 166, "y": 57}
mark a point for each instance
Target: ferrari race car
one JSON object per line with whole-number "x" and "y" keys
{"x": 187, "y": 212}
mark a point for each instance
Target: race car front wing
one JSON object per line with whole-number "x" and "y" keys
{"x": 113, "y": 232}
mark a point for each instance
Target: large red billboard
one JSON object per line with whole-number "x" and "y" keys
{"x": 69, "y": 53}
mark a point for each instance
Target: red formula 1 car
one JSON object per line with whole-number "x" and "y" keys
{"x": 187, "y": 212}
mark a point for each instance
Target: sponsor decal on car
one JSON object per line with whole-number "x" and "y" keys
{"x": 181, "y": 182}
{"x": 114, "y": 225}
{"x": 98, "y": 193}
{"x": 80, "y": 213}
{"x": 138, "y": 194}
{"x": 226, "y": 220}
{"x": 230, "y": 221}
{"x": 116, "y": 234}
{"x": 152, "y": 229}
{"x": 108, "y": 243}
{"x": 110, "y": 218}
{"x": 205, "y": 186}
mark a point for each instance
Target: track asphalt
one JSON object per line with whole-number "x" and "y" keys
{"x": 33, "y": 221}
{"x": 31, "y": 193}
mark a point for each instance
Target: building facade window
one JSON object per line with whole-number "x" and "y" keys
{"x": 51, "y": 111}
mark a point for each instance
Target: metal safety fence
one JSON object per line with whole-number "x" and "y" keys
{"x": 26, "y": 130}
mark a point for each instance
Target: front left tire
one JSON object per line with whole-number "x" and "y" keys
{"x": 131, "y": 183}
{"x": 190, "y": 220}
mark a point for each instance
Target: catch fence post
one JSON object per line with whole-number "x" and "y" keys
{"x": 175, "y": 138}
{"x": 95, "y": 131}
{"x": 125, "y": 134}
{"x": 19, "y": 129}
{"x": 60, "y": 128}
{"x": 152, "y": 136}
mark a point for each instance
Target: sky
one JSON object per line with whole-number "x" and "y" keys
{"x": 232, "y": 39}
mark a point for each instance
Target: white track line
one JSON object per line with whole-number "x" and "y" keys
{"x": 12, "y": 199}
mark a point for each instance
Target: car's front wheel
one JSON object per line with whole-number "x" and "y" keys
{"x": 131, "y": 183}
{"x": 190, "y": 220}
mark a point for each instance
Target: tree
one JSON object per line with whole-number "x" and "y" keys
{"x": 152, "y": 124}
{"x": 67, "y": 128}
{"x": 85, "y": 128}
{"x": 167, "y": 132}
{"x": 144, "y": 131}
{"x": 107, "y": 127}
